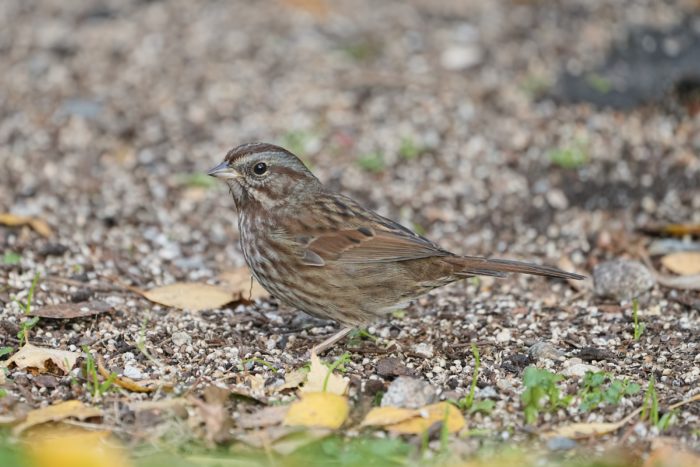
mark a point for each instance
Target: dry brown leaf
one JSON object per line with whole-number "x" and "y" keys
{"x": 427, "y": 416}
{"x": 192, "y": 296}
{"x": 675, "y": 282}
{"x": 320, "y": 376}
{"x": 263, "y": 418}
{"x": 42, "y": 359}
{"x": 38, "y": 225}
{"x": 684, "y": 263}
{"x": 676, "y": 230}
{"x": 584, "y": 430}
{"x": 122, "y": 381}
{"x": 317, "y": 8}
{"x": 669, "y": 453}
{"x": 294, "y": 379}
{"x": 213, "y": 413}
{"x": 282, "y": 439}
{"x": 72, "y": 310}
{"x": 65, "y": 446}
{"x": 238, "y": 282}
{"x": 57, "y": 412}
{"x": 318, "y": 409}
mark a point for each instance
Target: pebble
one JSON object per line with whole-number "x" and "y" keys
{"x": 577, "y": 368}
{"x": 410, "y": 393}
{"x": 181, "y": 338}
{"x": 560, "y": 443}
{"x": 461, "y": 57}
{"x": 424, "y": 350}
{"x": 503, "y": 336}
{"x": 622, "y": 279}
{"x": 132, "y": 372}
{"x": 544, "y": 350}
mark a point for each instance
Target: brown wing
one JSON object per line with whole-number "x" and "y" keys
{"x": 357, "y": 235}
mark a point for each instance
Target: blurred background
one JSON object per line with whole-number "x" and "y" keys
{"x": 525, "y": 127}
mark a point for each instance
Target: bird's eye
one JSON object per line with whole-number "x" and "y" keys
{"x": 260, "y": 168}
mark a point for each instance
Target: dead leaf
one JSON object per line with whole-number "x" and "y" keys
{"x": 318, "y": 409}
{"x": 192, "y": 296}
{"x": 282, "y": 439}
{"x": 72, "y": 310}
{"x": 684, "y": 263}
{"x": 238, "y": 282}
{"x": 382, "y": 416}
{"x": 128, "y": 383}
{"x": 583, "y": 430}
{"x": 213, "y": 413}
{"x": 407, "y": 421}
{"x": 38, "y": 225}
{"x": 294, "y": 379}
{"x": 263, "y": 418}
{"x": 675, "y": 230}
{"x": 317, "y": 8}
{"x": 65, "y": 446}
{"x": 57, "y": 412}
{"x": 669, "y": 453}
{"x": 42, "y": 359}
{"x": 321, "y": 379}
{"x": 674, "y": 282}
{"x": 586, "y": 430}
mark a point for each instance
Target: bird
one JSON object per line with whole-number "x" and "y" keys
{"x": 323, "y": 253}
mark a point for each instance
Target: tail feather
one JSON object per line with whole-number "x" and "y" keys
{"x": 477, "y": 266}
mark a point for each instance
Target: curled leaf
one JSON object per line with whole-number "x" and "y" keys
{"x": 38, "y": 225}
{"x": 72, "y": 310}
{"x": 190, "y": 296}
{"x": 42, "y": 359}
{"x": 57, "y": 412}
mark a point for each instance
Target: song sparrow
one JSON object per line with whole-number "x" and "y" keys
{"x": 323, "y": 253}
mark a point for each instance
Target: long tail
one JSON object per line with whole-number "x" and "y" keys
{"x": 477, "y": 266}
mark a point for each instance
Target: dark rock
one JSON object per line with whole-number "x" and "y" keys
{"x": 53, "y": 249}
{"x": 81, "y": 295}
{"x": 588, "y": 354}
{"x": 391, "y": 367}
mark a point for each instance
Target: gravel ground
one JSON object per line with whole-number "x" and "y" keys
{"x": 426, "y": 111}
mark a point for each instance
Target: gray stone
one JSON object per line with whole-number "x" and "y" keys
{"x": 622, "y": 279}
{"x": 181, "y": 338}
{"x": 544, "y": 350}
{"x": 560, "y": 443}
{"x": 425, "y": 350}
{"x": 579, "y": 369}
{"x": 411, "y": 393}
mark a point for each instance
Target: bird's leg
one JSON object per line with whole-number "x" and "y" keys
{"x": 328, "y": 343}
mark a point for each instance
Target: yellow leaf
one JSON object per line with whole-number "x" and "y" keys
{"x": 318, "y": 409}
{"x": 383, "y": 416}
{"x": 584, "y": 430}
{"x": 684, "y": 263}
{"x": 56, "y": 412}
{"x": 38, "y": 225}
{"x": 43, "y": 359}
{"x": 316, "y": 379}
{"x": 190, "y": 296}
{"x": 75, "y": 448}
{"x": 238, "y": 282}
{"x": 429, "y": 415}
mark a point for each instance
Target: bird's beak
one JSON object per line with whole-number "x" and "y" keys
{"x": 223, "y": 171}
